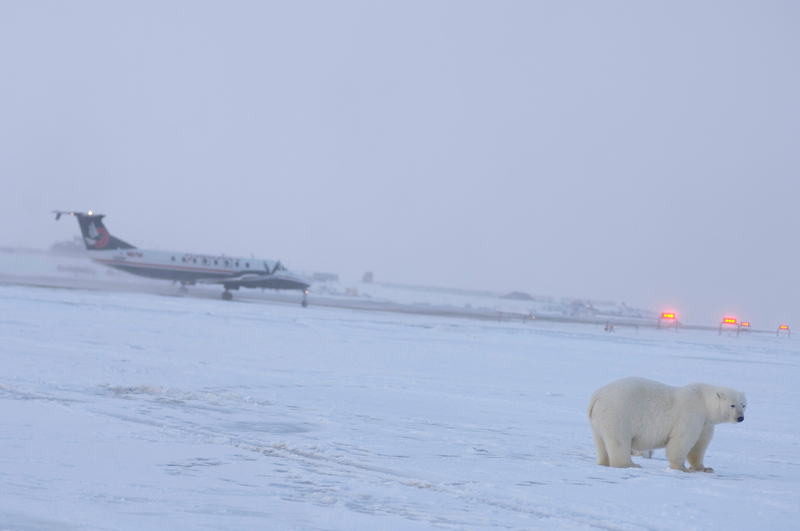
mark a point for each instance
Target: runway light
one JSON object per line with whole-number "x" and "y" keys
{"x": 745, "y": 323}
{"x": 784, "y": 327}
{"x": 729, "y": 321}
{"x": 667, "y": 316}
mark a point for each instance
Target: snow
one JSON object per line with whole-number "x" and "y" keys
{"x": 139, "y": 411}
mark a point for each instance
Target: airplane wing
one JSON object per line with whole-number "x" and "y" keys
{"x": 236, "y": 279}
{"x": 247, "y": 278}
{"x": 281, "y": 280}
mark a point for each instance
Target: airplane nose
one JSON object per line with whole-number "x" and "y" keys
{"x": 740, "y": 419}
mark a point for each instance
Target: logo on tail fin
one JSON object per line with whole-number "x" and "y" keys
{"x": 98, "y": 236}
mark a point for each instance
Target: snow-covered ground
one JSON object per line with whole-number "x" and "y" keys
{"x": 139, "y": 411}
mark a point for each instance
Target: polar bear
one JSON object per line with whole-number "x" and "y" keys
{"x": 637, "y": 415}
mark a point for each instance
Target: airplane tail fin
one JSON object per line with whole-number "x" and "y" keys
{"x": 95, "y": 235}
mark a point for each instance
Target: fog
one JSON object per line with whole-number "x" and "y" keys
{"x": 636, "y": 152}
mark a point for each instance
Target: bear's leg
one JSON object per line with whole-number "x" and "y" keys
{"x": 602, "y": 455}
{"x": 619, "y": 453}
{"x": 698, "y": 451}
{"x": 678, "y": 448}
{"x": 676, "y": 454}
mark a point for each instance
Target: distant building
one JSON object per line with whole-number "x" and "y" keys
{"x": 367, "y": 278}
{"x": 586, "y": 302}
{"x": 518, "y": 296}
{"x": 325, "y": 277}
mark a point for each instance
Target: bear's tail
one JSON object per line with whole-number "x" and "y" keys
{"x": 591, "y": 406}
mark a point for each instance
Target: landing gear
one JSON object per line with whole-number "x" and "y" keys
{"x": 304, "y": 304}
{"x": 226, "y": 295}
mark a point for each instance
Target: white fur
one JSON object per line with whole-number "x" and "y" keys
{"x": 639, "y": 415}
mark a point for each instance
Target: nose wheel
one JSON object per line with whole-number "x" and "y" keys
{"x": 305, "y": 299}
{"x": 227, "y": 296}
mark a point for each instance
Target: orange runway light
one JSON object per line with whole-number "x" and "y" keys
{"x": 745, "y": 323}
{"x": 668, "y": 316}
{"x": 784, "y": 327}
{"x": 729, "y": 320}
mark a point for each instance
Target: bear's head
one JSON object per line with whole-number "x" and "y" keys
{"x": 732, "y": 404}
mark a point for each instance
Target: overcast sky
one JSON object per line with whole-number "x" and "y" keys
{"x": 645, "y": 152}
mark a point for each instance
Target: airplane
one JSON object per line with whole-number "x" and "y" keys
{"x": 233, "y": 273}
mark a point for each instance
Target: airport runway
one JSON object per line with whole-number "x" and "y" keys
{"x": 289, "y": 297}
{"x": 486, "y": 310}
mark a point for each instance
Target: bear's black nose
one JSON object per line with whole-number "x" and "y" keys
{"x": 740, "y": 419}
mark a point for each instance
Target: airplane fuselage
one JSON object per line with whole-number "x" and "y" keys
{"x": 189, "y": 268}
